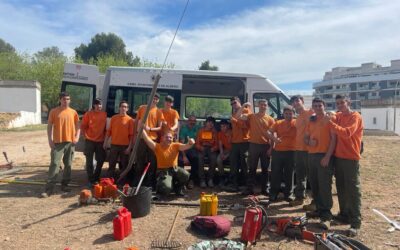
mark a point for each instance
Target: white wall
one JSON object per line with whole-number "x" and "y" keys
{"x": 17, "y": 98}
{"x": 384, "y": 118}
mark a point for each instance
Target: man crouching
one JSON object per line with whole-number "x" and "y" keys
{"x": 169, "y": 175}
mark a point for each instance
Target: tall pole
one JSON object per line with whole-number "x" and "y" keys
{"x": 394, "y": 107}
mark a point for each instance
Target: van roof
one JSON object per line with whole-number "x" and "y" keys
{"x": 187, "y": 72}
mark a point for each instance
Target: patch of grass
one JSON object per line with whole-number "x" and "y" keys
{"x": 26, "y": 128}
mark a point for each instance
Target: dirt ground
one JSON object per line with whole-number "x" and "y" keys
{"x": 28, "y": 222}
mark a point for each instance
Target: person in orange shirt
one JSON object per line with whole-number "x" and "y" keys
{"x": 240, "y": 146}
{"x": 207, "y": 145}
{"x": 62, "y": 133}
{"x": 348, "y": 128}
{"x": 282, "y": 164}
{"x": 301, "y": 153}
{"x": 169, "y": 175}
{"x": 171, "y": 116}
{"x": 121, "y": 132}
{"x": 259, "y": 147}
{"x": 225, "y": 147}
{"x": 321, "y": 144}
{"x": 93, "y": 127}
{"x": 153, "y": 126}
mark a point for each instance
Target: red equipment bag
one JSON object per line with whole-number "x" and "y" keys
{"x": 212, "y": 226}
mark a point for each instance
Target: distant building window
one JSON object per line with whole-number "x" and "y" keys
{"x": 374, "y": 120}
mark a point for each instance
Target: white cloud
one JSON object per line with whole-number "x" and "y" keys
{"x": 287, "y": 43}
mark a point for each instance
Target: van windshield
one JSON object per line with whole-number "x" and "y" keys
{"x": 202, "y": 107}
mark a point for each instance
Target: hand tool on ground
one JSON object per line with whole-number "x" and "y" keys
{"x": 9, "y": 164}
{"x": 168, "y": 244}
{"x": 395, "y": 225}
{"x": 141, "y": 178}
{"x": 292, "y": 227}
{"x": 29, "y": 182}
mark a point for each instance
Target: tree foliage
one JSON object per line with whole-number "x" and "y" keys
{"x": 6, "y": 47}
{"x": 206, "y": 66}
{"x": 103, "y": 45}
{"x": 49, "y": 53}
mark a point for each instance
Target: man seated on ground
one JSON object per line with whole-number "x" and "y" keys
{"x": 282, "y": 165}
{"x": 169, "y": 175}
{"x": 189, "y": 157}
{"x": 225, "y": 146}
{"x": 207, "y": 146}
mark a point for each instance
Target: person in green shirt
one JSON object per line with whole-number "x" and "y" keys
{"x": 189, "y": 157}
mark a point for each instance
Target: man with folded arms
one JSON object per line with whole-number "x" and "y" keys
{"x": 348, "y": 128}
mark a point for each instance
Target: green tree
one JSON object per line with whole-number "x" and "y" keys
{"x": 6, "y": 47}
{"x": 102, "y": 45}
{"x": 206, "y": 66}
{"x": 49, "y": 52}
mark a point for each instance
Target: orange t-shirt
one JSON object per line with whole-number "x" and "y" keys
{"x": 63, "y": 121}
{"x": 301, "y": 126}
{"x": 153, "y": 119}
{"x": 225, "y": 139}
{"x": 207, "y": 138}
{"x": 349, "y": 131}
{"x": 320, "y": 131}
{"x": 259, "y": 124}
{"x": 170, "y": 116}
{"x": 121, "y": 128}
{"x": 167, "y": 156}
{"x": 240, "y": 131}
{"x": 94, "y": 125}
{"x": 286, "y": 131}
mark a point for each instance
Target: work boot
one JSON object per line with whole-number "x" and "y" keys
{"x": 312, "y": 214}
{"x": 231, "y": 188}
{"x": 210, "y": 183}
{"x": 248, "y": 191}
{"x": 48, "y": 191}
{"x": 296, "y": 202}
{"x": 289, "y": 198}
{"x": 179, "y": 191}
{"x": 352, "y": 232}
{"x": 65, "y": 188}
{"x": 190, "y": 184}
{"x": 203, "y": 184}
{"x": 325, "y": 224}
{"x": 341, "y": 218}
{"x": 310, "y": 207}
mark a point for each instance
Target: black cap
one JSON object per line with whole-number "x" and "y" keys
{"x": 169, "y": 98}
{"x": 210, "y": 119}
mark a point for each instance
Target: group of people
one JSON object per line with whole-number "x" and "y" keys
{"x": 307, "y": 144}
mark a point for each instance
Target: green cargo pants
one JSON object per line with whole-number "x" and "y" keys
{"x": 301, "y": 169}
{"x": 64, "y": 150}
{"x": 282, "y": 165}
{"x": 171, "y": 178}
{"x": 321, "y": 184}
{"x": 347, "y": 174}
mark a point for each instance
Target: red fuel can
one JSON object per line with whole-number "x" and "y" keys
{"x": 252, "y": 224}
{"x": 127, "y": 218}
{"x": 118, "y": 226}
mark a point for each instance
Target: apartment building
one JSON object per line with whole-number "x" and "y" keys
{"x": 370, "y": 84}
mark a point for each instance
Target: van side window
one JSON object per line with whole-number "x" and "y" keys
{"x": 201, "y": 107}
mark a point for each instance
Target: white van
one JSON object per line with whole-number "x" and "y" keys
{"x": 197, "y": 92}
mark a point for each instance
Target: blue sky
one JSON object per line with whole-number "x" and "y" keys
{"x": 291, "y": 42}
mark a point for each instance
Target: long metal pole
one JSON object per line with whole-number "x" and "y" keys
{"x": 394, "y": 107}
{"x": 133, "y": 155}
